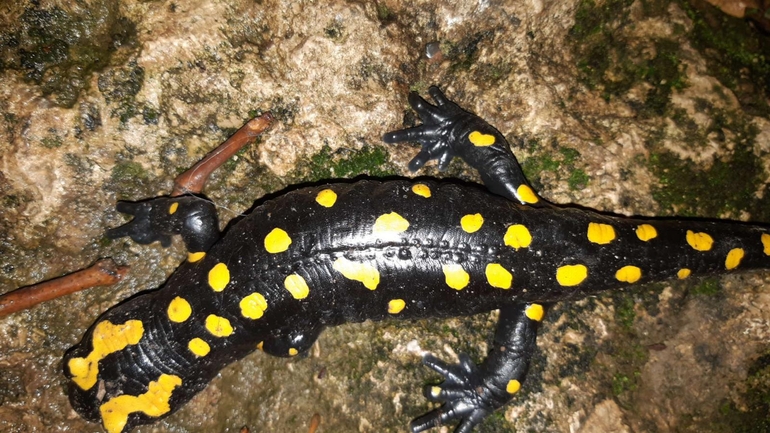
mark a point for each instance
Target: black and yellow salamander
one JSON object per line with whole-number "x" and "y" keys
{"x": 370, "y": 250}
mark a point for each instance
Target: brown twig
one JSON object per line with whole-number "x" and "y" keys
{"x": 193, "y": 180}
{"x": 102, "y": 273}
{"x": 315, "y": 421}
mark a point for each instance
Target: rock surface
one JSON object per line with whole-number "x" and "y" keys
{"x": 632, "y": 107}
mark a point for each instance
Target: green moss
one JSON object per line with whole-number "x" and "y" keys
{"x": 52, "y": 142}
{"x": 563, "y": 163}
{"x": 622, "y": 383}
{"x": 59, "y": 50}
{"x": 119, "y": 86}
{"x": 385, "y": 14}
{"x": 612, "y": 64}
{"x": 753, "y": 413}
{"x": 129, "y": 179}
{"x": 344, "y": 164}
{"x": 707, "y": 287}
{"x": 688, "y": 189}
{"x": 737, "y": 54}
{"x": 463, "y": 54}
{"x": 334, "y": 30}
{"x": 624, "y": 310}
{"x": 578, "y": 179}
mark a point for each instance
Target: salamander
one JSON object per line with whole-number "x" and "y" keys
{"x": 373, "y": 250}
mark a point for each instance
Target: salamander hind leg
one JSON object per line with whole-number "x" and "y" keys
{"x": 449, "y": 131}
{"x": 472, "y": 392}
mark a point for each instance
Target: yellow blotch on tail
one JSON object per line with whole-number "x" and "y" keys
{"x": 734, "y": 258}
{"x": 395, "y": 306}
{"x": 219, "y": 277}
{"x": 498, "y": 276}
{"x": 571, "y": 275}
{"x": 766, "y": 243}
{"x": 297, "y": 286}
{"x": 252, "y": 306}
{"x": 390, "y": 223}
{"x": 479, "y": 139}
{"x": 277, "y": 241}
{"x": 699, "y": 241}
{"x": 364, "y": 273}
{"x": 628, "y": 274}
{"x": 326, "y": 198}
{"x": 154, "y": 402}
{"x": 517, "y": 236}
{"x": 601, "y": 234}
{"x": 535, "y": 312}
{"x": 471, "y": 223}
{"x": 513, "y": 386}
{"x": 645, "y": 232}
{"x": 107, "y": 338}
{"x": 195, "y": 257}
{"x": 421, "y": 189}
{"x": 179, "y": 310}
{"x": 455, "y": 276}
{"x": 683, "y": 273}
{"x": 525, "y": 194}
{"x": 218, "y": 326}
{"x": 199, "y": 347}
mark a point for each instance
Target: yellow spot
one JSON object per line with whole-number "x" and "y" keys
{"x": 481, "y": 140}
{"x": 395, "y": 306}
{"x": 646, "y": 232}
{"x": 107, "y": 338}
{"x": 734, "y": 258}
{"x": 172, "y": 209}
{"x": 252, "y": 306}
{"x": 571, "y": 275}
{"x": 179, "y": 310}
{"x": 699, "y": 241}
{"x": 219, "y": 276}
{"x": 628, "y": 274}
{"x": 154, "y": 403}
{"x": 326, "y": 198}
{"x": 683, "y": 273}
{"x": 513, "y": 386}
{"x": 498, "y": 276}
{"x": 422, "y": 190}
{"x": 390, "y": 223}
{"x": 199, "y": 347}
{"x": 766, "y": 243}
{"x": 365, "y": 273}
{"x": 277, "y": 241}
{"x": 600, "y": 233}
{"x": 534, "y": 312}
{"x": 297, "y": 286}
{"x": 517, "y": 236}
{"x": 261, "y": 345}
{"x": 471, "y": 223}
{"x": 455, "y": 276}
{"x": 435, "y": 391}
{"x": 525, "y": 194}
{"x": 293, "y": 351}
{"x": 195, "y": 257}
{"x": 218, "y": 326}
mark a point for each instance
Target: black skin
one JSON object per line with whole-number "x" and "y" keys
{"x": 410, "y": 265}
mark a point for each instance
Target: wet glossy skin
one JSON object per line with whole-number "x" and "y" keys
{"x": 368, "y": 250}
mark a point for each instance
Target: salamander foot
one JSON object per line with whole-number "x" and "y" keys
{"x": 466, "y": 397}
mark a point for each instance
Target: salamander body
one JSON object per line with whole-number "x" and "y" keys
{"x": 370, "y": 250}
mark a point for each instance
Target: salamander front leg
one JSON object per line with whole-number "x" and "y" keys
{"x": 191, "y": 216}
{"x": 448, "y": 131}
{"x": 472, "y": 392}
